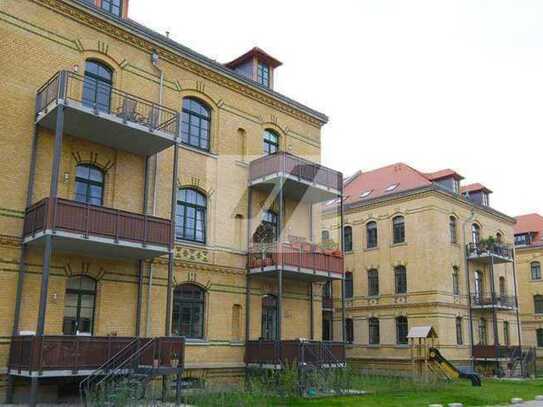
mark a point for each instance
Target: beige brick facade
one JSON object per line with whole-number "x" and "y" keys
{"x": 41, "y": 37}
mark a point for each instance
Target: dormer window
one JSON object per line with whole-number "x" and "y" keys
{"x": 263, "y": 74}
{"x": 484, "y": 199}
{"x": 391, "y": 188}
{"x": 113, "y": 6}
{"x": 256, "y": 65}
{"x": 365, "y": 194}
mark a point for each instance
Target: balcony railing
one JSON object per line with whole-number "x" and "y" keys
{"x": 289, "y": 352}
{"x": 95, "y": 221}
{"x": 493, "y": 351}
{"x": 290, "y": 166}
{"x": 484, "y": 251}
{"x": 297, "y": 257}
{"x": 128, "y": 107}
{"x": 68, "y": 355}
{"x": 488, "y": 300}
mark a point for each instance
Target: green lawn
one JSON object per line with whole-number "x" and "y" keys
{"x": 394, "y": 393}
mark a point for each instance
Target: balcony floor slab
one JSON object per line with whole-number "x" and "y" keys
{"x": 106, "y": 129}
{"x": 294, "y": 273}
{"x": 97, "y": 246}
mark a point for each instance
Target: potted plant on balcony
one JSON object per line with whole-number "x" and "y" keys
{"x": 487, "y": 244}
{"x": 174, "y": 359}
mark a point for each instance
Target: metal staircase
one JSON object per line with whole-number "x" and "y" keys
{"x": 127, "y": 374}
{"x": 522, "y": 362}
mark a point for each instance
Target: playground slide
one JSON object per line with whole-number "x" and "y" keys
{"x": 450, "y": 371}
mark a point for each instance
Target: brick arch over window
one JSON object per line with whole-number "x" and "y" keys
{"x": 188, "y": 310}
{"x": 191, "y": 215}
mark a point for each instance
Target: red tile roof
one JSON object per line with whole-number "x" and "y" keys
{"x": 447, "y": 172}
{"x": 474, "y": 187}
{"x": 254, "y": 52}
{"x": 377, "y": 181}
{"x": 532, "y": 222}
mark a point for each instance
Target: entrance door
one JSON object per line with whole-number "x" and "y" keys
{"x": 269, "y": 317}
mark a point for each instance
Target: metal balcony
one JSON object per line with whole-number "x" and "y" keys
{"x": 494, "y": 352}
{"x": 496, "y": 253}
{"x": 96, "y": 230}
{"x": 489, "y": 301}
{"x": 118, "y": 120}
{"x": 303, "y": 261}
{"x": 302, "y": 178}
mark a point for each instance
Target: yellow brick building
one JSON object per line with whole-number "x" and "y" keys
{"x": 529, "y": 257}
{"x": 422, "y": 250}
{"x": 115, "y": 140}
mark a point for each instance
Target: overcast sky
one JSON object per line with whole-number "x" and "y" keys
{"x": 433, "y": 83}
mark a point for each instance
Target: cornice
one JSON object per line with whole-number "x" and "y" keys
{"x": 115, "y": 29}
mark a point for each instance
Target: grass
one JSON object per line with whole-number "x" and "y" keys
{"x": 406, "y": 393}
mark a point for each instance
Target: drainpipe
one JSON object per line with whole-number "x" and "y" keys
{"x": 470, "y": 320}
{"x": 148, "y": 328}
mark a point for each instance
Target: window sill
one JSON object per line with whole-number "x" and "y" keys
{"x": 242, "y": 163}
{"x": 370, "y": 249}
{"x": 398, "y": 244}
{"x": 374, "y": 345}
{"x": 402, "y": 346}
{"x": 200, "y": 341}
{"x": 190, "y": 243}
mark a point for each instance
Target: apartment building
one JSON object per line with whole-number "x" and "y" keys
{"x": 423, "y": 249}
{"x": 529, "y": 257}
{"x": 151, "y": 192}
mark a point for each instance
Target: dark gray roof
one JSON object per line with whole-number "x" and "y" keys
{"x": 202, "y": 59}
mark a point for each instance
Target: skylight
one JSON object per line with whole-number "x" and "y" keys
{"x": 366, "y": 193}
{"x": 391, "y": 188}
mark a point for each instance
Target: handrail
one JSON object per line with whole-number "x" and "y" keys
{"x": 96, "y": 372}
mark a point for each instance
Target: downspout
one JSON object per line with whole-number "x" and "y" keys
{"x": 470, "y": 320}
{"x": 148, "y": 330}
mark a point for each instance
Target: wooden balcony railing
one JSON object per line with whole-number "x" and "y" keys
{"x": 292, "y": 166}
{"x": 296, "y": 255}
{"x": 296, "y": 351}
{"x": 38, "y": 354}
{"x": 71, "y": 87}
{"x": 493, "y": 351}
{"x": 90, "y": 220}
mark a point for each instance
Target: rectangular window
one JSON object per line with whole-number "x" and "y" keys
{"x": 263, "y": 74}
{"x": 459, "y": 332}
{"x": 113, "y": 6}
{"x": 506, "y": 337}
{"x": 456, "y": 283}
{"x": 373, "y": 283}
{"x": 400, "y": 280}
{"x": 539, "y": 333}
{"x": 401, "y": 330}
{"x": 374, "y": 335}
{"x": 349, "y": 328}
{"x": 348, "y": 285}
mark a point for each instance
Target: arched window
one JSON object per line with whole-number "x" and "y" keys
{"x": 402, "y": 329}
{"x": 348, "y": 238}
{"x": 535, "y": 268}
{"x": 459, "y": 331}
{"x": 188, "y": 311}
{"x": 349, "y": 330}
{"x": 398, "y": 229}
{"x": 371, "y": 234}
{"x": 475, "y": 233}
{"x": 190, "y": 216}
{"x": 195, "y": 123}
{"x": 373, "y": 330}
{"x": 269, "y": 317}
{"x": 270, "y": 219}
{"x": 539, "y": 337}
{"x": 483, "y": 337}
{"x": 89, "y": 184}
{"x": 79, "y": 303}
{"x": 113, "y": 6}
{"x": 499, "y": 238}
{"x": 538, "y": 304}
{"x": 373, "y": 283}
{"x": 452, "y": 229}
{"x": 325, "y": 236}
{"x": 502, "y": 287}
{"x": 327, "y": 325}
{"x": 455, "y": 281}
{"x": 97, "y": 86}
{"x": 271, "y": 142}
{"x": 400, "y": 277}
{"x": 348, "y": 284}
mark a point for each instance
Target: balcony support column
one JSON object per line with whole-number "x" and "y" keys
{"x": 172, "y": 241}
{"x": 280, "y": 253}
{"x": 311, "y": 313}
{"x": 23, "y": 256}
{"x": 516, "y": 298}
{"x": 342, "y": 246}
{"x": 53, "y": 192}
{"x": 141, "y": 263}
{"x": 494, "y": 314}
